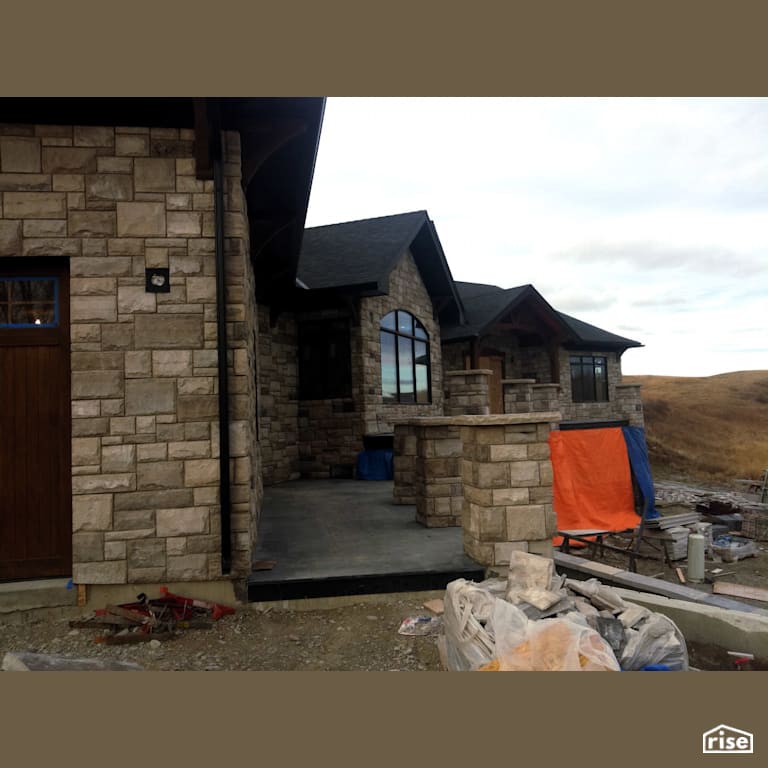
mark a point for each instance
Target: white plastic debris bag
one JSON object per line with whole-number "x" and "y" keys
{"x": 654, "y": 640}
{"x": 474, "y": 620}
{"x": 485, "y": 632}
{"x": 557, "y": 645}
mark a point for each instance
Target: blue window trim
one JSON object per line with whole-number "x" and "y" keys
{"x": 37, "y": 278}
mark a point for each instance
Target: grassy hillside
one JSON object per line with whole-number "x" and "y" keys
{"x": 707, "y": 428}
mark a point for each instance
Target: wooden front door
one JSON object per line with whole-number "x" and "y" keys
{"x": 496, "y": 395}
{"x": 35, "y": 405}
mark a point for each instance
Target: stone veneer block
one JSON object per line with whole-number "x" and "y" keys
{"x": 92, "y": 512}
{"x": 10, "y": 238}
{"x": 141, "y": 219}
{"x": 69, "y": 160}
{"x": 182, "y": 522}
{"x": 97, "y": 384}
{"x": 160, "y": 475}
{"x": 154, "y": 174}
{"x": 91, "y": 224}
{"x": 35, "y": 205}
{"x": 168, "y": 332}
{"x": 19, "y": 155}
{"x": 149, "y": 396}
{"x": 107, "y": 572}
{"x": 93, "y": 136}
{"x": 108, "y": 187}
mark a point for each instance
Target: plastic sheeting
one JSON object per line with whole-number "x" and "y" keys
{"x": 637, "y": 449}
{"x": 592, "y": 482}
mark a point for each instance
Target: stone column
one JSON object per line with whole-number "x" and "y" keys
{"x": 518, "y": 395}
{"x": 467, "y": 392}
{"x": 437, "y": 472}
{"x": 507, "y": 480}
{"x": 404, "y": 463}
{"x": 630, "y": 404}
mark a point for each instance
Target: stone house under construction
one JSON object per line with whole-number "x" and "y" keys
{"x": 378, "y": 331}
{"x": 172, "y": 338}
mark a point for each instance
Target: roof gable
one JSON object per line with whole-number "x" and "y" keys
{"x": 358, "y": 256}
{"x": 485, "y": 305}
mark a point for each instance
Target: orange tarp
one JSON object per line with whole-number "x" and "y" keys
{"x": 592, "y": 481}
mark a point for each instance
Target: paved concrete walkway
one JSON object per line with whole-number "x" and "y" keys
{"x": 332, "y": 529}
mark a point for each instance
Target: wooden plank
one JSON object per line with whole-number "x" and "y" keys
{"x": 134, "y": 616}
{"x": 740, "y": 590}
{"x": 680, "y": 575}
{"x": 436, "y": 606}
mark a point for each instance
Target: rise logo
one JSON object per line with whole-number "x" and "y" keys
{"x": 725, "y": 740}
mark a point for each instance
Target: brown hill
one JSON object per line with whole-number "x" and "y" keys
{"x": 714, "y": 427}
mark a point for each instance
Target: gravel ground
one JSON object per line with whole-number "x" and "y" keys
{"x": 358, "y": 637}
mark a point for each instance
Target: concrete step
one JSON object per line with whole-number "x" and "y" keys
{"x": 22, "y": 596}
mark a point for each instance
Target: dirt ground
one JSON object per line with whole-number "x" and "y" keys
{"x": 362, "y": 636}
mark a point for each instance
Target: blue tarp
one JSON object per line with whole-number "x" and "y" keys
{"x": 375, "y": 465}
{"x": 637, "y": 449}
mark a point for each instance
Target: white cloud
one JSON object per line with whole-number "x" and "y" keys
{"x": 646, "y": 214}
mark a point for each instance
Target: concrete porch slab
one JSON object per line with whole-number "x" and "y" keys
{"x": 347, "y": 537}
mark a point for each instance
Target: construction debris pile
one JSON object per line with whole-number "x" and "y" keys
{"x": 537, "y": 620}
{"x": 151, "y": 619}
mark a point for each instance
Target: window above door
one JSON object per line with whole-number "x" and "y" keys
{"x": 29, "y": 302}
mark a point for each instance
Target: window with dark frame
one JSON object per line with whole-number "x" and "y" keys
{"x": 589, "y": 379}
{"x": 29, "y": 302}
{"x": 405, "y": 368}
{"x": 325, "y": 360}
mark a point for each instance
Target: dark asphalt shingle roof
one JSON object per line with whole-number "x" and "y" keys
{"x": 356, "y": 252}
{"x": 591, "y": 334}
{"x": 484, "y": 304}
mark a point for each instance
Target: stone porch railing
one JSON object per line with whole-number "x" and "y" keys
{"x": 495, "y": 469}
{"x": 467, "y": 392}
{"x": 526, "y": 396}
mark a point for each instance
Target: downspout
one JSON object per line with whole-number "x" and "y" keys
{"x": 225, "y": 497}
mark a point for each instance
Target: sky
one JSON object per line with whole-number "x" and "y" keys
{"x": 647, "y": 217}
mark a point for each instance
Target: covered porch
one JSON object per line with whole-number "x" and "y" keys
{"x": 347, "y": 537}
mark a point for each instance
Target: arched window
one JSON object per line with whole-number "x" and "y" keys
{"x": 405, "y": 370}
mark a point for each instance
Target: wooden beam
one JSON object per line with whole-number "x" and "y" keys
{"x": 740, "y": 590}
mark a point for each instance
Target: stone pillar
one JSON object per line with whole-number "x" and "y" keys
{"x": 437, "y": 472}
{"x": 518, "y": 395}
{"x": 630, "y": 404}
{"x": 545, "y": 398}
{"x": 507, "y": 480}
{"x": 467, "y": 392}
{"x": 404, "y": 463}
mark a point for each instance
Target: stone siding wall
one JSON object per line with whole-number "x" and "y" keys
{"x": 589, "y": 411}
{"x": 331, "y": 431}
{"x": 406, "y": 291}
{"x": 278, "y": 398}
{"x": 454, "y": 355}
{"x": 331, "y": 437}
{"x": 145, "y": 440}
